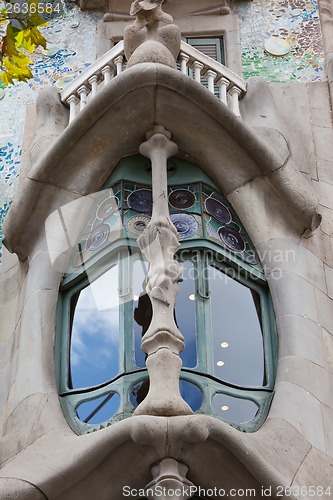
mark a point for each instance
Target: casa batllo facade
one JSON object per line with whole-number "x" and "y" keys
{"x": 167, "y": 283}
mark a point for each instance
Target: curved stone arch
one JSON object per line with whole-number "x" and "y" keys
{"x": 236, "y": 157}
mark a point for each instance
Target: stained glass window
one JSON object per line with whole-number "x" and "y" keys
{"x": 223, "y": 307}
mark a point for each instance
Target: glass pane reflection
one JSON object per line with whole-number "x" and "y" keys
{"x": 94, "y": 350}
{"x": 237, "y": 335}
{"x": 185, "y": 313}
{"x": 139, "y": 392}
{"x": 98, "y": 410}
{"x": 191, "y": 393}
{"x": 142, "y": 310}
{"x": 234, "y": 410}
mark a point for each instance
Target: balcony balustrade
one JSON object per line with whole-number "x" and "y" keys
{"x": 216, "y": 77}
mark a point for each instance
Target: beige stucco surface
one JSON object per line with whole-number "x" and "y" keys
{"x": 278, "y": 181}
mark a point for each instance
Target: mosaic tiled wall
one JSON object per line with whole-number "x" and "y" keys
{"x": 72, "y": 48}
{"x": 293, "y": 26}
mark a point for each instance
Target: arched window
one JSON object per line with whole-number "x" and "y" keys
{"x": 223, "y": 307}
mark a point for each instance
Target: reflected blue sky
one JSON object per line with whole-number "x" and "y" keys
{"x": 191, "y": 393}
{"x": 94, "y": 353}
{"x": 109, "y": 405}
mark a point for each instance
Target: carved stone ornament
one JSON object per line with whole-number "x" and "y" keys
{"x": 146, "y": 41}
{"x": 162, "y": 341}
{"x": 169, "y": 478}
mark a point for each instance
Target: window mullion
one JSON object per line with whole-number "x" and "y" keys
{"x": 125, "y": 313}
{"x": 205, "y": 341}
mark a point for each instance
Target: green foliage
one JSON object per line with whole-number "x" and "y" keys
{"x": 22, "y": 35}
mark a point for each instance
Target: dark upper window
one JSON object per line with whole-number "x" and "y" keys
{"x": 223, "y": 307}
{"x": 210, "y": 46}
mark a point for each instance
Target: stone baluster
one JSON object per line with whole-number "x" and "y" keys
{"x": 210, "y": 75}
{"x": 234, "y": 93}
{"x": 184, "y": 59}
{"x": 93, "y": 84}
{"x": 72, "y": 101}
{"x": 83, "y": 93}
{"x": 106, "y": 72}
{"x": 162, "y": 342}
{"x": 118, "y": 61}
{"x": 197, "y": 68}
{"x": 223, "y": 84}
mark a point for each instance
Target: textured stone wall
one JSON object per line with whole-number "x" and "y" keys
{"x": 293, "y": 124}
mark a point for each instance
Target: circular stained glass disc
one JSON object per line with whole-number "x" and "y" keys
{"x": 141, "y": 200}
{"x": 50, "y": 51}
{"x": 98, "y": 237}
{"x": 250, "y": 258}
{"x": 137, "y": 224}
{"x": 217, "y": 210}
{"x": 231, "y": 239}
{"x": 277, "y": 46}
{"x": 185, "y": 224}
{"x": 107, "y": 207}
{"x": 182, "y": 198}
{"x": 63, "y": 81}
{"x": 74, "y": 24}
{"x": 295, "y": 12}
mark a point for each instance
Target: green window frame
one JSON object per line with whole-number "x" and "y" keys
{"x": 201, "y": 248}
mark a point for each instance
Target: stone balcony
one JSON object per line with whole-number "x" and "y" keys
{"x": 216, "y": 77}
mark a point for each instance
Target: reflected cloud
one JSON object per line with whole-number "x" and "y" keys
{"x": 90, "y": 327}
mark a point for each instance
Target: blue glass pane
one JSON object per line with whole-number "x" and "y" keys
{"x": 98, "y": 410}
{"x": 236, "y": 327}
{"x": 94, "y": 349}
{"x": 191, "y": 393}
{"x": 185, "y": 312}
{"x": 234, "y": 410}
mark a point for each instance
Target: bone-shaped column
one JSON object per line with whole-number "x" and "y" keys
{"x": 163, "y": 341}
{"x": 169, "y": 478}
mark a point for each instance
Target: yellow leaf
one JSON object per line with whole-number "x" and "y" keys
{"x": 24, "y": 40}
{"x": 6, "y": 78}
{"x": 37, "y": 38}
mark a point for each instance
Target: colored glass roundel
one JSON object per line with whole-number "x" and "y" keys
{"x": 181, "y": 198}
{"x": 108, "y": 207}
{"x": 137, "y": 224}
{"x": 218, "y": 210}
{"x": 141, "y": 200}
{"x": 232, "y": 239}
{"x": 185, "y": 224}
{"x": 277, "y": 46}
{"x": 98, "y": 237}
